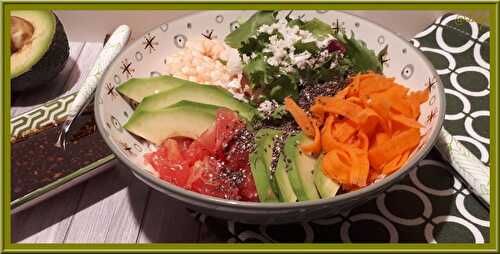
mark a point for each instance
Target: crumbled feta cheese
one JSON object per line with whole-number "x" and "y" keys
{"x": 307, "y": 37}
{"x": 281, "y": 45}
{"x": 333, "y": 64}
{"x": 273, "y": 39}
{"x": 266, "y": 29}
{"x": 323, "y": 56}
{"x": 301, "y": 59}
{"x": 287, "y": 69}
{"x": 280, "y": 51}
{"x": 323, "y": 43}
{"x": 272, "y": 61}
{"x": 267, "y": 107}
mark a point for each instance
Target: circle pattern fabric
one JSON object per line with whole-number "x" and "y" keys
{"x": 430, "y": 204}
{"x": 459, "y": 50}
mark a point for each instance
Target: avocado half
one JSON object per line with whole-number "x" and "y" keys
{"x": 39, "y": 48}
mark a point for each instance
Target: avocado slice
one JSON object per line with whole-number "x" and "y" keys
{"x": 39, "y": 48}
{"x": 184, "y": 119}
{"x": 266, "y": 153}
{"x": 206, "y": 94}
{"x": 327, "y": 188}
{"x": 301, "y": 168}
{"x": 211, "y": 109}
{"x": 138, "y": 88}
{"x": 260, "y": 162}
{"x": 261, "y": 179}
{"x": 286, "y": 191}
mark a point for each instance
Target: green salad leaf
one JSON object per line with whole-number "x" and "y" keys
{"x": 317, "y": 27}
{"x": 279, "y": 112}
{"x": 249, "y": 28}
{"x": 253, "y": 45}
{"x": 269, "y": 80}
{"x": 362, "y": 59}
{"x": 283, "y": 86}
{"x": 258, "y": 71}
{"x": 308, "y": 46}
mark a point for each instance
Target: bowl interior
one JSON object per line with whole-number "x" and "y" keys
{"x": 146, "y": 56}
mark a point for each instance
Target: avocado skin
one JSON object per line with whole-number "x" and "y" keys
{"x": 49, "y": 66}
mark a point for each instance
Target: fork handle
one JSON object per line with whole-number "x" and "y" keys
{"x": 112, "y": 48}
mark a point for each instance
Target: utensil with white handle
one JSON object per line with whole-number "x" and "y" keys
{"x": 473, "y": 172}
{"x": 111, "y": 49}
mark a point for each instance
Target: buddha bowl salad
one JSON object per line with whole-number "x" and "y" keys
{"x": 283, "y": 110}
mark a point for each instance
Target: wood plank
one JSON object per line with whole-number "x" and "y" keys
{"x": 110, "y": 210}
{"x": 23, "y": 102}
{"x": 49, "y": 221}
{"x": 167, "y": 221}
{"x": 127, "y": 220}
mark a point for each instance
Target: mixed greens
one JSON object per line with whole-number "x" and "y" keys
{"x": 281, "y": 55}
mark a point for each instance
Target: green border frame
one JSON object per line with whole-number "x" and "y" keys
{"x": 490, "y": 5}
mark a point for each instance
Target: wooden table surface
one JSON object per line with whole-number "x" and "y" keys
{"x": 115, "y": 207}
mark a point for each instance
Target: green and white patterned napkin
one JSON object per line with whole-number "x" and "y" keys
{"x": 458, "y": 47}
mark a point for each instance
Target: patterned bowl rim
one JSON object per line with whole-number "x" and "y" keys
{"x": 180, "y": 192}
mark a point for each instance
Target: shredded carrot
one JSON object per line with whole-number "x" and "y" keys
{"x": 300, "y": 116}
{"x": 366, "y": 131}
{"x": 368, "y": 87}
{"x": 336, "y": 167}
{"x": 327, "y": 141}
{"x": 417, "y": 98}
{"x": 396, "y": 163}
{"x": 412, "y": 123}
{"x": 360, "y": 167}
{"x": 315, "y": 146}
{"x": 398, "y": 144}
{"x": 420, "y": 96}
{"x": 343, "y": 130}
{"x": 318, "y": 113}
{"x": 380, "y": 138}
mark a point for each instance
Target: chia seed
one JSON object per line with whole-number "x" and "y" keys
{"x": 310, "y": 92}
{"x": 278, "y": 145}
{"x": 244, "y": 140}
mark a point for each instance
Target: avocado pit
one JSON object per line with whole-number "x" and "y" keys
{"x": 21, "y": 33}
{"x": 39, "y": 48}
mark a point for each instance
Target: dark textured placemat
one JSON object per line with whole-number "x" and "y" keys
{"x": 429, "y": 205}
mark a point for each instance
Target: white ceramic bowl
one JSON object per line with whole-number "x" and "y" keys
{"x": 146, "y": 56}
